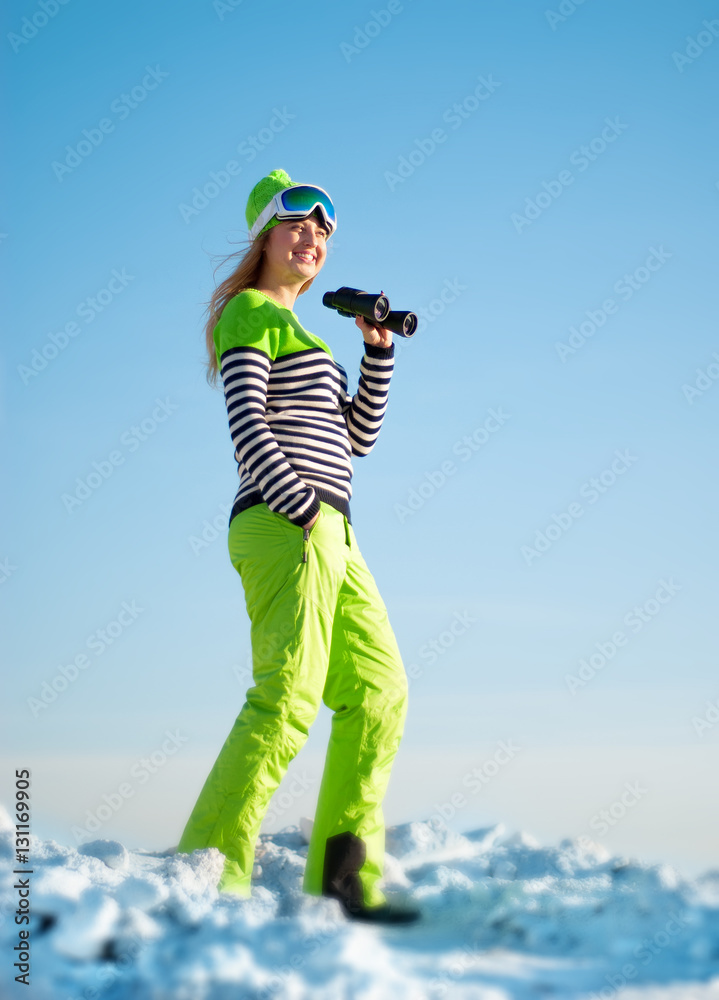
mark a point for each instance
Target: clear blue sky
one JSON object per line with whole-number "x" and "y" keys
{"x": 538, "y": 173}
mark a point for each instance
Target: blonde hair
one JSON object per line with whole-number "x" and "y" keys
{"x": 245, "y": 275}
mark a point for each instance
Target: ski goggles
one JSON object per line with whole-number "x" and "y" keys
{"x": 296, "y": 203}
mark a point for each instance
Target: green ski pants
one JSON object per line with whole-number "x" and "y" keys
{"x": 320, "y": 632}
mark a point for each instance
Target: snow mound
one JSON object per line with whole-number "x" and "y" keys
{"x": 503, "y": 917}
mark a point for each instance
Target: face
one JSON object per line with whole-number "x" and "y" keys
{"x": 295, "y": 250}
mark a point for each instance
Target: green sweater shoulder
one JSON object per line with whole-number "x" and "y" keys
{"x": 252, "y": 319}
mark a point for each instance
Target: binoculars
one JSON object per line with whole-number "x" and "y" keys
{"x": 374, "y": 308}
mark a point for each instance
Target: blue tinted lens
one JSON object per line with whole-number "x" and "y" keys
{"x": 303, "y": 199}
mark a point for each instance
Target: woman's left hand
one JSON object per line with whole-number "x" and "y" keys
{"x": 377, "y": 336}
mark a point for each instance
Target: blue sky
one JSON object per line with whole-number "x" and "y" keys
{"x": 544, "y": 192}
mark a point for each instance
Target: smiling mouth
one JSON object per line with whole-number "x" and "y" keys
{"x": 308, "y": 258}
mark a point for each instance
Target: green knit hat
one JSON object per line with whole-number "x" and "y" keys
{"x": 261, "y": 195}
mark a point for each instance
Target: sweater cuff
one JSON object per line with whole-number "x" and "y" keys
{"x": 375, "y": 351}
{"x": 308, "y": 514}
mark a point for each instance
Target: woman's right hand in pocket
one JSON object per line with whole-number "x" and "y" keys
{"x": 311, "y": 523}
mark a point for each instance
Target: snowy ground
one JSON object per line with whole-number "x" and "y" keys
{"x": 503, "y": 918}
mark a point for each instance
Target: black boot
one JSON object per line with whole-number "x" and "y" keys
{"x": 385, "y": 913}
{"x": 345, "y": 854}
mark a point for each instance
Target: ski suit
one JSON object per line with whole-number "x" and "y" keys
{"x": 319, "y": 628}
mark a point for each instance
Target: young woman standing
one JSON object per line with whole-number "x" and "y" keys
{"x": 319, "y": 628}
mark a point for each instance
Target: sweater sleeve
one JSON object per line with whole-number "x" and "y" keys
{"x": 246, "y": 342}
{"x": 365, "y": 411}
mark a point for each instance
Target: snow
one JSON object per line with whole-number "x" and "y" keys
{"x": 503, "y": 917}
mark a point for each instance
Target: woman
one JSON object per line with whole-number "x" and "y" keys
{"x": 319, "y": 627}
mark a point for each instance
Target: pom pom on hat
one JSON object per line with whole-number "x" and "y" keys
{"x": 261, "y": 195}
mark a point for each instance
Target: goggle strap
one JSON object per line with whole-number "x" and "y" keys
{"x": 267, "y": 213}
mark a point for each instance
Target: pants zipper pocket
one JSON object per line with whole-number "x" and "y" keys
{"x": 305, "y": 539}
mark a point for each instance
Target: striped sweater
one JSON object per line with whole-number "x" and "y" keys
{"x": 294, "y": 426}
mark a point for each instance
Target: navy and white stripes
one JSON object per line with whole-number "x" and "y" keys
{"x": 295, "y": 428}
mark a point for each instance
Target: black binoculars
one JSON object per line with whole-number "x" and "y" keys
{"x": 374, "y": 308}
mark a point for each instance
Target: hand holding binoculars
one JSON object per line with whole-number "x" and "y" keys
{"x": 374, "y": 308}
